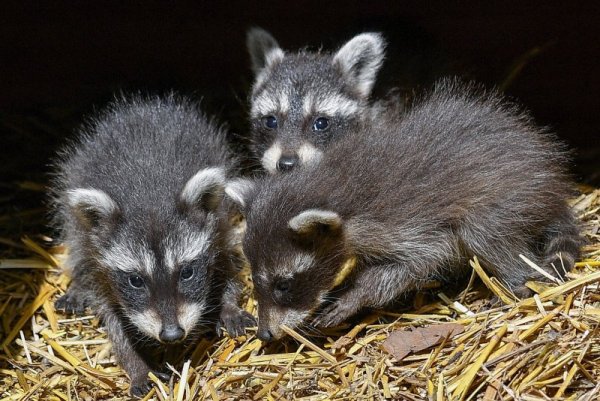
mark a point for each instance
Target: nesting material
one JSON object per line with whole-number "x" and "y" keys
{"x": 546, "y": 346}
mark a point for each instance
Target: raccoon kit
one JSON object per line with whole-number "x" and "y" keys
{"x": 138, "y": 203}
{"x": 461, "y": 174}
{"x": 300, "y": 102}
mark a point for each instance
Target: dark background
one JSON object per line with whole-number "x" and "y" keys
{"x": 61, "y": 60}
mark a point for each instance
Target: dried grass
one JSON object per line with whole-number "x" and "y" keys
{"x": 544, "y": 347}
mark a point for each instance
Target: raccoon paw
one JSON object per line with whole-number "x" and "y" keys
{"x": 559, "y": 264}
{"x": 163, "y": 376}
{"x": 334, "y": 314}
{"x": 235, "y": 320}
{"x": 71, "y": 302}
{"x": 139, "y": 388}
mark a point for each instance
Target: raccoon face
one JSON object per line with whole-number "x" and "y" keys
{"x": 300, "y": 102}
{"x": 293, "y": 274}
{"x": 162, "y": 288}
{"x": 157, "y": 266}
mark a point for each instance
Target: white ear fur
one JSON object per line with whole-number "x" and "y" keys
{"x": 360, "y": 59}
{"x": 238, "y": 190}
{"x": 308, "y": 220}
{"x": 89, "y": 204}
{"x": 263, "y": 48}
{"x": 205, "y": 188}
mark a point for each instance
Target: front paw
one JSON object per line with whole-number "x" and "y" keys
{"x": 235, "y": 320}
{"x": 163, "y": 376}
{"x": 140, "y": 387}
{"x": 334, "y": 314}
{"x": 72, "y": 302}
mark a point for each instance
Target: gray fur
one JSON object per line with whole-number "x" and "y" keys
{"x": 298, "y": 88}
{"x": 462, "y": 174}
{"x": 260, "y": 44}
{"x": 139, "y": 194}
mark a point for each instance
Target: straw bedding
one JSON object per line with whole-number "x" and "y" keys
{"x": 544, "y": 347}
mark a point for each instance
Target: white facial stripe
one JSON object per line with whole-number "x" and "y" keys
{"x": 308, "y": 106}
{"x": 271, "y": 157}
{"x": 263, "y": 105}
{"x": 189, "y": 314}
{"x": 308, "y": 154}
{"x": 148, "y": 260}
{"x": 147, "y": 322}
{"x": 270, "y": 103}
{"x": 185, "y": 248}
{"x": 336, "y": 105}
{"x": 329, "y": 106}
{"x": 284, "y": 103}
{"x": 129, "y": 258}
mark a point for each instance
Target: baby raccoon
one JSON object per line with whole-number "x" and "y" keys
{"x": 300, "y": 102}
{"x": 461, "y": 174}
{"x": 138, "y": 200}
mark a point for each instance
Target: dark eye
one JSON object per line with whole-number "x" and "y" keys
{"x": 136, "y": 281}
{"x": 270, "y": 122}
{"x": 187, "y": 273}
{"x": 321, "y": 124}
{"x": 284, "y": 285}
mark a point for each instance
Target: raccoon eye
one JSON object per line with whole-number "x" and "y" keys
{"x": 321, "y": 124}
{"x": 136, "y": 281}
{"x": 283, "y": 285}
{"x": 187, "y": 273}
{"x": 270, "y": 122}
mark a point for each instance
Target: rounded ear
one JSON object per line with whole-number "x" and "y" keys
{"x": 263, "y": 48}
{"x": 239, "y": 191}
{"x": 204, "y": 190}
{"x": 360, "y": 60}
{"x": 316, "y": 222}
{"x": 92, "y": 207}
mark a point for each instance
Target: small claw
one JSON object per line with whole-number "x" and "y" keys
{"x": 71, "y": 303}
{"x": 140, "y": 389}
{"x": 326, "y": 316}
{"x": 235, "y": 322}
{"x": 164, "y": 376}
{"x": 334, "y": 314}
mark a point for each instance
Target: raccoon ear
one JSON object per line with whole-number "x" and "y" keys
{"x": 239, "y": 190}
{"x": 360, "y": 59}
{"x": 205, "y": 189}
{"x": 316, "y": 222}
{"x": 263, "y": 48}
{"x": 92, "y": 207}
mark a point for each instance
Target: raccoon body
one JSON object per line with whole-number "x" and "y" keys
{"x": 389, "y": 206}
{"x": 303, "y": 101}
{"x": 138, "y": 202}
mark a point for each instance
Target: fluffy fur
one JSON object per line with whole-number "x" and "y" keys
{"x": 393, "y": 204}
{"x": 137, "y": 200}
{"x": 298, "y": 88}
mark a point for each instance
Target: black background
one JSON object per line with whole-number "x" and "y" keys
{"x": 61, "y": 60}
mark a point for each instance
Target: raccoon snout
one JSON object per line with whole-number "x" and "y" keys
{"x": 171, "y": 334}
{"x": 265, "y": 334}
{"x": 287, "y": 162}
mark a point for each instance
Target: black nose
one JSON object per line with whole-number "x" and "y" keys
{"x": 264, "y": 335}
{"x": 171, "y": 334}
{"x": 287, "y": 162}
